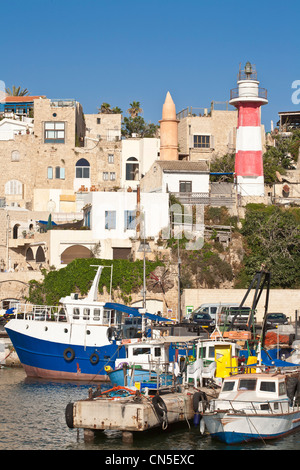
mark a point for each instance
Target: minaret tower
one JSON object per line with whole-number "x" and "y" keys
{"x": 248, "y": 99}
{"x": 169, "y": 131}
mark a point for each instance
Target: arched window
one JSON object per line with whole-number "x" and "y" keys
{"x": 40, "y": 255}
{"x": 15, "y": 231}
{"x": 82, "y": 168}
{"x": 29, "y": 255}
{"x": 15, "y": 156}
{"x": 132, "y": 169}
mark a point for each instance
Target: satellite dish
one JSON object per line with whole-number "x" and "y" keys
{"x": 279, "y": 176}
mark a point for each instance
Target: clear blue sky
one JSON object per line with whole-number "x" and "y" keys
{"x": 119, "y": 51}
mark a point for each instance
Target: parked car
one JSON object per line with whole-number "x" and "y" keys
{"x": 203, "y": 319}
{"x": 242, "y": 315}
{"x": 273, "y": 320}
{"x": 213, "y": 309}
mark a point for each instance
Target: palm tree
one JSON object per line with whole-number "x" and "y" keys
{"x": 135, "y": 109}
{"x": 17, "y": 91}
{"x": 105, "y": 108}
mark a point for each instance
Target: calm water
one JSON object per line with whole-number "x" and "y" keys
{"x": 33, "y": 418}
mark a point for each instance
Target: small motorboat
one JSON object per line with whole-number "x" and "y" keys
{"x": 254, "y": 406}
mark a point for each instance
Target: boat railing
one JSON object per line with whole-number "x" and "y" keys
{"x": 253, "y": 407}
{"x": 39, "y": 312}
{"x": 154, "y": 371}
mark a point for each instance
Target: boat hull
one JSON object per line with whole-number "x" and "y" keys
{"x": 49, "y": 351}
{"x": 234, "y": 428}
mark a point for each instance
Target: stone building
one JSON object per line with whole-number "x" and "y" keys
{"x": 59, "y": 155}
{"x": 204, "y": 133}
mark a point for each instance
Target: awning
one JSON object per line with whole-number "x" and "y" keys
{"x": 45, "y": 222}
{"x": 134, "y": 311}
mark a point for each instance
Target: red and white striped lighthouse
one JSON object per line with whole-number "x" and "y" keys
{"x": 248, "y": 99}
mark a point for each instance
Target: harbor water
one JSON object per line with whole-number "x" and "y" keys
{"x": 33, "y": 418}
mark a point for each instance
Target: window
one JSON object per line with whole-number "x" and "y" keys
{"x": 228, "y": 386}
{"x": 59, "y": 173}
{"x": 54, "y": 133}
{"x": 15, "y": 156}
{"x": 185, "y": 186}
{"x": 87, "y": 219}
{"x": 13, "y": 187}
{"x": 110, "y": 220}
{"x": 82, "y": 168}
{"x": 129, "y": 220}
{"x": 50, "y": 173}
{"x": 202, "y": 141}
{"x": 111, "y": 158}
{"x": 98, "y": 120}
{"x": 105, "y": 175}
{"x": 132, "y": 169}
{"x": 267, "y": 387}
{"x": 112, "y": 176}
{"x": 96, "y": 315}
{"x": 247, "y": 384}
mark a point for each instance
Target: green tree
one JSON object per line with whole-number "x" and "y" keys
{"x": 134, "y": 109}
{"x": 16, "y": 91}
{"x": 224, "y": 164}
{"x": 272, "y": 236}
{"x": 136, "y": 124}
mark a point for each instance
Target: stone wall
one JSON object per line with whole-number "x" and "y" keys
{"x": 280, "y": 300}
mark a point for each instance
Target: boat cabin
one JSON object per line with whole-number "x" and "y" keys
{"x": 145, "y": 352}
{"x": 262, "y": 391}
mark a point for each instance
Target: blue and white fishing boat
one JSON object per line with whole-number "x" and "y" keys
{"x": 150, "y": 363}
{"x": 254, "y": 406}
{"x": 77, "y": 339}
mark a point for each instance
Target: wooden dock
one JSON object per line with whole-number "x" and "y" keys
{"x": 130, "y": 411}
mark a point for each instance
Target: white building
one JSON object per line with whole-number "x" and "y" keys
{"x": 113, "y": 220}
{"x": 138, "y": 154}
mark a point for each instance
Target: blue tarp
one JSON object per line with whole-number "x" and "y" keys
{"x": 134, "y": 311}
{"x": 45, "y": 222}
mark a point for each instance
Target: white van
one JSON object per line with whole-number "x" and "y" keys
{"x": 213, "y": 309}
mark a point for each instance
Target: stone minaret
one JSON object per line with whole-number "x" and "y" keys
{"x": 168, "y": 131}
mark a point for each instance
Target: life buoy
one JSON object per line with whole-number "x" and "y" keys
{"x": 159, "y": 406}
{"x": 197, "y": 398}
{"x": 94, "y": 358}
{"x": 69, "y": 354}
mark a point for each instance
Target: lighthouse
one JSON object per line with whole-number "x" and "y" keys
{"x": 248, "y": 98}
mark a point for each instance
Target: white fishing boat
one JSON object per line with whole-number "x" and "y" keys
{"x": 254, "y": 406}
{"x": 76, "y": 339}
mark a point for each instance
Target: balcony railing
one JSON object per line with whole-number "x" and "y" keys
{"x": 257, "y": 93}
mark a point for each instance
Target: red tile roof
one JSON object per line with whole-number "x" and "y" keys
{"x": 21, "y": 99}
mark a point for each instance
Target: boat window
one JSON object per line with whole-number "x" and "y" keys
{"x": 211, "y": 352}
{"x": 86, "y": 313}
{"x": 202, "y": 352}
{"x": 265, "y": 406}
{"x": 228, "y": 386}
{"x": 157, "y": 352}
{"x": 76, "y": 313}
{"x": 137, "y": 351}
{"x": 247, "y": 384}
{"x": 106, "y": 317}
{"x": 267, "y": 387}
{"x": 96, "y": 314}
{"x": 282, "y": 389}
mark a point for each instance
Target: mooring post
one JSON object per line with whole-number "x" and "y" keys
{"x": 88, "y": 435}
{"x": 127, "y": 437}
